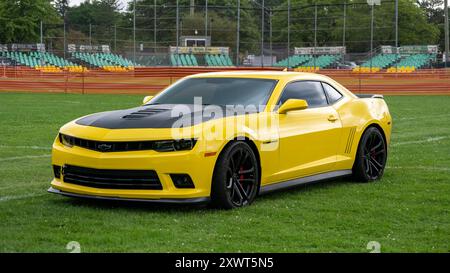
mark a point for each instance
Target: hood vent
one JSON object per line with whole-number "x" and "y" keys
{"x": 144, "y": 113}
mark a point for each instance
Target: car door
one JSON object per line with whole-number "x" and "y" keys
{"x": 308, "y": 138}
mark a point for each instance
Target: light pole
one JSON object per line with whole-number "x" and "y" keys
{"x": 206, "y": 24}
{"x": 154, "y": 26}
{"x": 344, "y": 24}
{"x": 447, "y": 57}
{"x": 238, "y": 30}
{"x": 315, "y": 34}
{"x": 371, "y": 35}
{"x": 134, "y": 31}
{"x": 289, "y": 34}
{"x": 396, "y": 25}
{"x": 64, "y": 27}
{"x": 177, "y": 36}
{"x": 270, "y": 37}
{"x": 262, "y": 34}
{"x": 115, "y": 37}
{"x": 42, "y": 32}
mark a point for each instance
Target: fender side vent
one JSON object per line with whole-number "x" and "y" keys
{"x": 351, "y": 137}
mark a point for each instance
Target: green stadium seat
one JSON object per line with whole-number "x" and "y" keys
{"x": 194, "y": 60}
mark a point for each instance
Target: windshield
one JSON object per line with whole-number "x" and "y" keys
{"x": 218, "y": 91}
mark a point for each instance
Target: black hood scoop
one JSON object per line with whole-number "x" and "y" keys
{"x": 144, "y": 113}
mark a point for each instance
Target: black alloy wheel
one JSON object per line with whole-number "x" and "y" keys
{"x": 236, "y": 177}
{"x": 371, "y": 156}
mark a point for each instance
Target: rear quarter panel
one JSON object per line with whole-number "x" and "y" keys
{"x": 357, "y": 115}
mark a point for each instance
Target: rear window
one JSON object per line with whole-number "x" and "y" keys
{"x": 332, "y": 94}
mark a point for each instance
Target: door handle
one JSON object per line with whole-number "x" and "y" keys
{"x": 332, "y": 118}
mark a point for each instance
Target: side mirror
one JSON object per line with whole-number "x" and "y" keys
{"x": 147, "y": 99}
{"x": 292, "y": 105}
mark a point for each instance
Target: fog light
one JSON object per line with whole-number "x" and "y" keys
{"x": 182, "y": 181}
{"x": 57, "y": 171}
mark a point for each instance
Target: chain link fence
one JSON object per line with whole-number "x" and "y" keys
{"x": 253, "y": 33}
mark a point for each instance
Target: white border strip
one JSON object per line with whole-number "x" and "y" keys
{"x": 428, "y": 140}
{"x": 23, "y": 157}
{"x": 25, "y": 147}
{"x": 426, "y": 168}
{"x": 17, "y": 197}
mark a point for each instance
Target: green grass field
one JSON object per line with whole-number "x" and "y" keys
{"x": 407, "y": 211}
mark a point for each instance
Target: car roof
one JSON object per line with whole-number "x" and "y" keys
{"x": 276, "y": 75}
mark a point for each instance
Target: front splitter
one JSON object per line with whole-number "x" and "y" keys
{"x": 193, "y": 201}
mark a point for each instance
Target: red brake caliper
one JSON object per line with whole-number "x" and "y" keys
{"x": 241, "y": 177}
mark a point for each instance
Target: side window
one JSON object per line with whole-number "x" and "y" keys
{"x": 312, "y": 92}
{"x": 332, "y": 93}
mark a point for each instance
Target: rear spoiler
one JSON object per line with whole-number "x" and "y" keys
{"x": 369, "y": 96}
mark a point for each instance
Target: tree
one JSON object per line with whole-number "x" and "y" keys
{"x": 96, "y": 18}
{"x": 20, "y": 19}
{"x": 433, "y": 9}
{"x": 61, "y": 6}
{"x": 413, "y": 25}
{"x": 222, "y": 22}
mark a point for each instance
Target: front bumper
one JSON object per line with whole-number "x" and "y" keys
{"x": 194, "y": 163}
{"x": 192, "y": 201}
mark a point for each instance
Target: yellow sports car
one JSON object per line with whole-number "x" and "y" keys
{"x": 224, "y": 138}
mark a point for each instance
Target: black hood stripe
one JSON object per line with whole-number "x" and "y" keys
{"x": 146, "y": 117}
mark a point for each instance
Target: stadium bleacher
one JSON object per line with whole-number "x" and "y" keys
{"x": 407, "y": 60}
{"x": 322, "y": 61}
{"x": 394, "y": 63}
{"x": 220, "y": 60}
{"x": 107, "y": 61}
{"x": 153, "y": 60}
{"x": 308, "y": 62}
{"x": 381, "y": 60}
{"x": 415, "y": 61}
{"x": 293, "y": 61}
{"x": 183, "y": 60}
{"x": 43, "y": 61}
{"x": 57, "y": 61}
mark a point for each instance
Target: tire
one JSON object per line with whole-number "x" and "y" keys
{"x": 236, "y": 177}
{"x": 370, "y": 160}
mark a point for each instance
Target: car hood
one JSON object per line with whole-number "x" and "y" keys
{"x": 148, "y": 116}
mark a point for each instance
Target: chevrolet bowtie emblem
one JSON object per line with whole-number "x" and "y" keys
{"x": 104, "y": 147}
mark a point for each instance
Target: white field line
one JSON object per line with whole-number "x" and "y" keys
{"x": 426, "y": 168}
{"x": 71, "y": 102}
{"x": 19, "y": 184}
{"x": 23, "y": 185}
{"x": 25, "y": 147}
{"x": 421, "y": 117}
{"x": 23, "y": 157}
{"x": 17, "y": 197}
{"x": 428, "y": 140}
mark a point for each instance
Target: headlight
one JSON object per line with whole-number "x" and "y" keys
{"x": 66, "y": 140}
{"x": 174, "y": 145}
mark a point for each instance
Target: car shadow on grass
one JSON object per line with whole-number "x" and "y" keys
{"x": 129, "y": 205}
{"x": 274, "y": 196}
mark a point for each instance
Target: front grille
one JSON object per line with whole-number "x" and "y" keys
{"x": 112, "y": 179}
{"x": 105, "y": 147}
